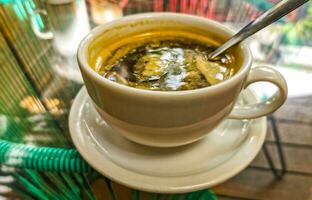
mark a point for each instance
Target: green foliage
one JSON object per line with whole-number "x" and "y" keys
{"x": 299, "y": 33}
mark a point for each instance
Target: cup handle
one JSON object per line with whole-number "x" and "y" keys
{"x": 262, "y": 73}
{"x": 36, "y": 29}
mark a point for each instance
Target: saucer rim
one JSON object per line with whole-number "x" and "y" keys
{"x": 77, "y": 107}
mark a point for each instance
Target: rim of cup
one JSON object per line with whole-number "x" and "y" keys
{"x": 89, "y": 38}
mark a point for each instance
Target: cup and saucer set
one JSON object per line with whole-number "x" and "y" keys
{"x": 175, "y": 141}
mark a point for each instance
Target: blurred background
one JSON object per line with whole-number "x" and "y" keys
{"x": 39, "y": 79}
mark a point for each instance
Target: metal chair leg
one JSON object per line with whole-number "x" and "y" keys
{"x": 278, "y": 173}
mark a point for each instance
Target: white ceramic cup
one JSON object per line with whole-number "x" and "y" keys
{"x": 172, "y": 118}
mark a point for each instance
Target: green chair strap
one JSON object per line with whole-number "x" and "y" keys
{"x": 42, "y": 158}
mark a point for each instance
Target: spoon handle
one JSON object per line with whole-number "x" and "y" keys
{"x": 267, "y": 18}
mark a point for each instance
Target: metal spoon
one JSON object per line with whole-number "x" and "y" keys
{"x": 267, "y": 18}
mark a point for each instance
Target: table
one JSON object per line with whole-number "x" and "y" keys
{"x": 39, "y": 79}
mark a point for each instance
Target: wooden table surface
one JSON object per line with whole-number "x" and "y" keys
{"x": 294, "y": 120}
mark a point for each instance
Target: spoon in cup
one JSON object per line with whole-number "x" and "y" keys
{"x": 267, "y": 18}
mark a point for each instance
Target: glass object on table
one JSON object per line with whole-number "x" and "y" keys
{"x": 68, "y": 21}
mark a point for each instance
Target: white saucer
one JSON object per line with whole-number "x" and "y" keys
{"x": 219, "y": 156}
